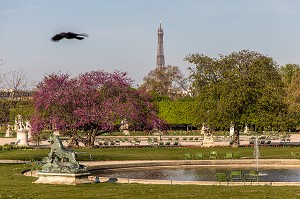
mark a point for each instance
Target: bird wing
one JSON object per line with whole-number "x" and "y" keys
{"x": 83, "y": 34}
{"x": 58, "y": 37}
{"x": 79, "y": 38}
{"x": 73, "y": 35}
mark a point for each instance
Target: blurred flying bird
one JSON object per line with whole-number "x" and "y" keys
{"x": 68, "y": 35}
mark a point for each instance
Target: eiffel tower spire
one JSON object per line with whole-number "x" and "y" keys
{"x": 160, "y": 58}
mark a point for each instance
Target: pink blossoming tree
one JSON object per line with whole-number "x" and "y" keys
{"x": 94, "y": 102}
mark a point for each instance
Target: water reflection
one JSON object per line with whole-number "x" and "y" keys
{"x": 197, "y": 173}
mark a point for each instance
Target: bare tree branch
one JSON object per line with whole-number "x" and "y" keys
{"x": 17, "y": 80}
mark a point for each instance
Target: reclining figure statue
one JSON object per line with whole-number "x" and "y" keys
{"x": 61, "y": 160}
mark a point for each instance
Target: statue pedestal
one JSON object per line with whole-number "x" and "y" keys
{"x": 126, "y": 132}
{"x": 63, "y": 178}
{"x": 207, "y": 142}
{"x": 8, "y": 134}
{"x": 29, "y": 135}
{"x": 22, "y": 137}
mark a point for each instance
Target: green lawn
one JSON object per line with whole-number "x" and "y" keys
{"x": 14, "y": 185}
{"x": 100, "y": 154}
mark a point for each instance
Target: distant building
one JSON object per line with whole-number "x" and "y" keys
{"x": 19, "y": 95}
{"x": 160, "y": 58}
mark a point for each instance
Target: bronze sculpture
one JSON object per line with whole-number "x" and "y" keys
{"x": 61, "y": 159}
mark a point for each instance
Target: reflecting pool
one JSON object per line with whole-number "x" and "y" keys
{"x": 194, "y": 173}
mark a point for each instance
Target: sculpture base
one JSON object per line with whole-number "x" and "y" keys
{"x": 63, "y": 178}
{"x": 8, "y": 134}
{"x": 22, "y": 138}
{"x": 126, "y": 132}
{"x": 208, "y": 143}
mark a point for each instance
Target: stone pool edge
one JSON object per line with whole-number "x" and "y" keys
{"x": 207, "y": 183}
{"x": 272, "y": 163}
{"x": 266, "y": 163}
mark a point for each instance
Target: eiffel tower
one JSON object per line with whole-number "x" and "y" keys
{"x": 160, "y": 58}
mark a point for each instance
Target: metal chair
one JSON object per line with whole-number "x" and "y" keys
{"x": 236, "y": 176}
{"x": 221, "y": 177}
{"x": 228, "y": 156}
{"x": 213, "y": 155}
{"x": 251, "y": 177}
{"x": 187, "y": 156}
{"x": 199, "y": 156}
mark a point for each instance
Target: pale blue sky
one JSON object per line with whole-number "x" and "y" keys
{"x": 123, "y": 33}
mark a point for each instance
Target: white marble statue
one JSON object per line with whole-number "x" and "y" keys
{"x": 208, "y": 136}
{"x": 124, "y": 127}
{"x": 28, "y": 128}
{"x": 9, "y": 131}
{"x": 246, "y": 129}
{"x": 231, "y": 131}
{"x": 19, "y": 124}
{"x": 22, "y": 132}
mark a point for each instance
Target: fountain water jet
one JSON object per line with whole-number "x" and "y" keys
{"x": 256, "y": 155}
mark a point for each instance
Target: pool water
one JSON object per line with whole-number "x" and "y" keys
{"x": 182, "y": 173}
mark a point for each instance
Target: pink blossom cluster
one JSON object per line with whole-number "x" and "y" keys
{"x": 93, "y": 100}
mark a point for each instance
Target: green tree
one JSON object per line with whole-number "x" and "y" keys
{"x": 293, "y": 101}
{"x": 9, "y": 109}
{"x": 24, "y": 108}
{"x": 243, "y": 88}
{"x": 5, "y": 105}
{"x": 287, "y": 71}
{"x": 177, "y": 112}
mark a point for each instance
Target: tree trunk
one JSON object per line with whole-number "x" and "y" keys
{"x": 93, "y": 136}
{"x": 88, "y": 138}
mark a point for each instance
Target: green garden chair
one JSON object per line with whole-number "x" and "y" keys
{"x": 168, "y": 143}
{"x": 236, "y": 176}
{"x": 221, "y": 177}
{"x": 112, "y": 143}
{"x": 252, "y": 176}
{"x": 199, "y": 156}
{"x": 213, "y": 155}
{"x": 237, "y": 156}
{"x": 295, "y": 155}
{"x": 106, "y": 143}
{"x": 161, "y": 144}
{"x": 228, "y": 156}
{"x": 187, "y": 156}
{"x": 100, "y": 144}
{"x": 150, "y": 141}
{"x": 137, "y": 143}
{"x": 118, "y": 142}
{"x": 176, "y": 143}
